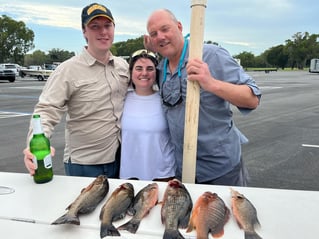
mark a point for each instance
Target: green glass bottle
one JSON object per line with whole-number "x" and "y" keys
{"x": 40, "y": 148}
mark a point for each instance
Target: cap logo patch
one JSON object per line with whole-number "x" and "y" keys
{"x": 96, "y": 7}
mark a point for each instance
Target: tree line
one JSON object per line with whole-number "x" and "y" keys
{"x": 295, "y": 53}
{"x": 16, "y": 40}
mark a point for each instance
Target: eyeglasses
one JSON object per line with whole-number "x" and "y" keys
{"x": 171, "y": 92}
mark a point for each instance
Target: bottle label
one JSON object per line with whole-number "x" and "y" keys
{"x": 47, "y": 161}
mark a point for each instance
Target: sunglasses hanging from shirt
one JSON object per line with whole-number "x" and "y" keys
{"x": 174, "y": 97}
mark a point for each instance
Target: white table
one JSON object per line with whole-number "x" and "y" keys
{"x": 16, "y": 229}
{"x": 33, "y": 207}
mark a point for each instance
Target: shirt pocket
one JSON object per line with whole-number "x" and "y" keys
{"x": 123, "y": 80}
{"x": 89, "y": 89}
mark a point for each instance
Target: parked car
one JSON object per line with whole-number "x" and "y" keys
{"x": 11, "y": 66}
{"x": 7, "y": 74}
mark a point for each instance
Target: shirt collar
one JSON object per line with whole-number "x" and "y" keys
{"x": 92, "y": 60}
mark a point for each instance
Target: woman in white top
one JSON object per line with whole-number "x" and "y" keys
{"x": 146, "y": 151}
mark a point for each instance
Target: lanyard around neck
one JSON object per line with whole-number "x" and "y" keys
{"x": 181, "y": 59}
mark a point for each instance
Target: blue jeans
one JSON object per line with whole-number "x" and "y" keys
{"x": 111, "y": 170}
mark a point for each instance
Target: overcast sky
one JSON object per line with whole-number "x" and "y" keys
{"x": 237, "y": 25}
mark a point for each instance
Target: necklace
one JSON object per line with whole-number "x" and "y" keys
{"x": 180, "y": 60}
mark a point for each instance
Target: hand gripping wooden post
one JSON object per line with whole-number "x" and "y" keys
{"x": 192, "y": 97}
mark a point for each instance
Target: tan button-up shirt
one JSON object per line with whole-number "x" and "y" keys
{"x": 92, "y": 95}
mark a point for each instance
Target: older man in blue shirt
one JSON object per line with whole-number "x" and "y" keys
{"x": 222, "y": 81}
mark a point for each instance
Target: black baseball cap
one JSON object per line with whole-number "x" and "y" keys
{"x": 95, "y": 10}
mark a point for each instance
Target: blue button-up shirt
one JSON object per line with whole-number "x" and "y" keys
{"x": 219, "y": 140}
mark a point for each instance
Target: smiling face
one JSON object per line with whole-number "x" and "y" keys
{"x": 165, "y": 34}
{"x": 144, "y": 76}
{"x": 99, "y": 34}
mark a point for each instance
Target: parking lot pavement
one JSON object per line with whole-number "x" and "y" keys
{"x": 283, "y": 131}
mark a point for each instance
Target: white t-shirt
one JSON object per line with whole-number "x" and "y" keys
{"x": 146, "y": 152}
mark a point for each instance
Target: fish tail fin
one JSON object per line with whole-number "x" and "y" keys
{"x": 190, "y": 227}
{"x": 67, "y": 219}
{"x": 130, "y": 226}
{"x": 218, "y": 234}
{"x": 252, "y": 235}
{"x": 108, "y": 230}
{"x": 172, "y": 234}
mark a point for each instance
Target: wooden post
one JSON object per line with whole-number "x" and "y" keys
{"x": 192, "y": 97}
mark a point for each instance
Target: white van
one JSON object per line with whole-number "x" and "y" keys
{"x": 314, "y": 66}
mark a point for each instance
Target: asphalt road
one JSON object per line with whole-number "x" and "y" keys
{"x": 283, "y": 151}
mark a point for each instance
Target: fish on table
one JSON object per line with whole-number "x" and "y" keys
{"x": 245, "y": 214}
{"x": 176, "y": 209}
{"x": 86, "y": 202}
{"x": 209, "y": 215}
{"x": 143, "y": 202}
{"x": 115, "y": 208}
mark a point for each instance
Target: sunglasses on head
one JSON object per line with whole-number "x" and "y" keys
{"x": 143, "y": 52}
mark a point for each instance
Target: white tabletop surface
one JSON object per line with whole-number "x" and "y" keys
{"x": 16, "y": 229}
{"x": 282, "y": 213}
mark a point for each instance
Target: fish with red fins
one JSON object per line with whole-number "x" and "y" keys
{"x": 209, "y": 215}
{"x": 142, "y": 204}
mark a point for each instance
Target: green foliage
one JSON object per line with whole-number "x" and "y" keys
{"x": 296, "y": 53}
{"x": 260, "y": 61}
{"x": 246, "y": 59}
{"x": 15, "y": 40}
{"x": 301, "y": 48}
{"x": 277, "y": 56}
{"x": 39, "y": 57}
{"x": 126, "y": 48}
{"x": 36, "y": 58}
{"x": 59, "y": 55}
